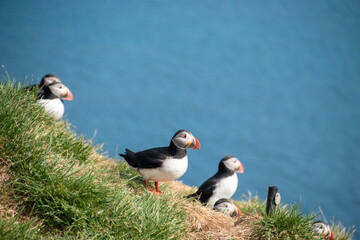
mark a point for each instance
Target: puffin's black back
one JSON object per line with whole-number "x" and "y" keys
{"x": 151, "y": 158}
{"x": 154, "y": 157}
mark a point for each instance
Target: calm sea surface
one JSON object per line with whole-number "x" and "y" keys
{"x": 276, "y": 84}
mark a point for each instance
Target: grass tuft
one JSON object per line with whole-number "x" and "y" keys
{"x": 341, "y": 232}
{"x": 288, "y": 222}
{"x": 11, "y": 229}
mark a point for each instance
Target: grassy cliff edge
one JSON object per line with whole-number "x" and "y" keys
{"x": 55, "y": 184}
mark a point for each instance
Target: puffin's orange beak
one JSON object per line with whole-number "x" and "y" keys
{"x": 239, "y": 169}
{"x": 239, "y": 211}
{"x": 67, "y": 95}
{"x": 197, "y": 144}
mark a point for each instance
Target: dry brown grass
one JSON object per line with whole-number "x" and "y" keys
{"x": 205, "y": 223}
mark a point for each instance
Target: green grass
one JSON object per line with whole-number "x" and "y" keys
{"x": 11, "y": 229}
{"x": 59, "y": 179}
{"x": 288, "y": 222}
{"x": 60, "y": 187}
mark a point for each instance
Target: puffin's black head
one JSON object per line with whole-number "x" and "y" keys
{"x": 224, "y": 205}
{"x": 52, "y": 83}
{"x": 49, "y": 79}
{"x": 232, "y": 163}
{"x": 184, "y": 139}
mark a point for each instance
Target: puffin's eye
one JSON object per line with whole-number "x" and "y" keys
{"x": 60, "y": 87}
{"x": 184, "y": 136}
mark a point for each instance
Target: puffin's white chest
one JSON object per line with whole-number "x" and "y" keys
{"x": 225, "y": 188}
{"x": 53, "y": 107}
{"x": 170, "y": 170}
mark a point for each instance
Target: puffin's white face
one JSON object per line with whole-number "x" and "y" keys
{"x": 185, "y": 139}
{"x": 227, "y": 208}
{"x": 322, "y": 229}
{"x": 234, "y": 164}
{"x": 57, "y": 88}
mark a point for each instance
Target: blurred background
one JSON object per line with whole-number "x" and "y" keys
{"x": 274, "y": 83}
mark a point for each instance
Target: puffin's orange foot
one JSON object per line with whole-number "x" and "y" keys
{"x": 156, "y": 190}
{"x": 148, "y": 186}
{"x": 151, "y": 189}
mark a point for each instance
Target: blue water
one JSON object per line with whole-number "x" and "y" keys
{"x": 275, "y": 83}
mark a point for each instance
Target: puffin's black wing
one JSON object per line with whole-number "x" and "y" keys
{"x": 151, "y": 158}
{"x": 206, "y": 190}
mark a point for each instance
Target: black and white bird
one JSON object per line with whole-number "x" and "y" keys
{"x": 50, "y": 95}
{"x": 164, "y": 163}
{"x": 226, "y": 207}
{"x": 323, "y": 229}
{"x": 223, "y": 184}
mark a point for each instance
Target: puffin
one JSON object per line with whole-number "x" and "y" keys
{"x": 223, "y": 184}
{"x": 51, "y": 93}
{"x": 226, "y": 207}
{"x": 323, "y": 229}
{"x": 163, "y": 164}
